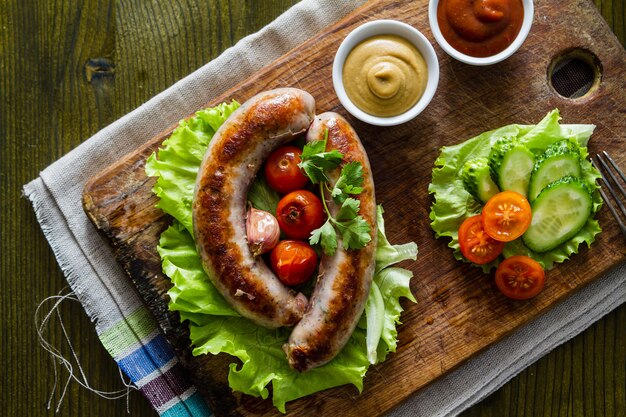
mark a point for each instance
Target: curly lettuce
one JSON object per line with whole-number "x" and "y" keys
{"x": 177, "y": 163}
{"x": 215, "y": 327}
{"x": 452, "y": 203}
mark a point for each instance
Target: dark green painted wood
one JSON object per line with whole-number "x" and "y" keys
{"x": 69, "y": 68}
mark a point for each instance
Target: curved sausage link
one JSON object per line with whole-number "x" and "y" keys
{"x": 233, "y": 158}
{"x": 344, "y": 278}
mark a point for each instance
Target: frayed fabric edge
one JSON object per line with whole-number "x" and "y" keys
{"x": 56, "y": 230}
{"x": 47, "y": 216}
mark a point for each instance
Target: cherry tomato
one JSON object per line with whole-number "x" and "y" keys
{"x": 476, "y": 245}
{"x": 282, "y": 171}
{"x": 299, "y": 213}
{"x": 293, "y": 261}
{"x": 520, "y": 277}
{"x": 506, "y": 216}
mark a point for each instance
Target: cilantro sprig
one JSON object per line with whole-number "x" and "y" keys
{"x": 355, "y": 231}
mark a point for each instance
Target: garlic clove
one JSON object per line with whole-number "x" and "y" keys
{"x": 262, "y": 231}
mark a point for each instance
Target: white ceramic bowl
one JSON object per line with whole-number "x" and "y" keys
{"x": 517, "y": 42}
{"x": 386, "y": 27}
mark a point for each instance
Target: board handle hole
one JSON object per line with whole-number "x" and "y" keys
{"x": 575, "y": 73}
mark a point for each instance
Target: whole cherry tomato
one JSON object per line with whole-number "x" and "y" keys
{"x": 476, "y": 245}
{"x": 293, "y": 261}
{"x": 299, "y": 213}
{"x": 506, "y": 216}
{"x": 520, "y": 277}
{"x": 282, "y": 171}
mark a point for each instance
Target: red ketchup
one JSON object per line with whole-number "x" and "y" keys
{"x": 480, "y": 28}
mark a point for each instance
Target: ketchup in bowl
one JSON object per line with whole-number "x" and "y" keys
{"x": 480, "y": 28}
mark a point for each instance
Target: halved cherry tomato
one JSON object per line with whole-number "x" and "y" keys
{"x": 506, "y": 216}
{"x": 293, "y": 261}
{"x": 476, "y": 245}
{"x": 520, "y": 277}
{"x": 299, "y": 213}
{"x": 282, "y": 171}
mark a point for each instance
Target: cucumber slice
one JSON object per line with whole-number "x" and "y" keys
{"x": 511, "y": 165}
{"x": 559, "y": 212}
{"x": 561, "y": 159}
{"x": 477, "y": 179}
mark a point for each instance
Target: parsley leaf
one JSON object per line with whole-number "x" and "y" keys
{"x": 315, "y": 160}
{"x": 350, "y": 182}
{"x": 313, "y": 148}
{"x": 355, "y": 233}
{"x": 349, "y": 209}
{"x": 354, "y": 230}
{"x": 326, "y": 237}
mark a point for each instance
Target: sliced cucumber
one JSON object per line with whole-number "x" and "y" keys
{"x": 561, "y": 159}
{"x": 559, "y": 212}
{"x": 511, "y": 165}
{"x": 477, "y": 179}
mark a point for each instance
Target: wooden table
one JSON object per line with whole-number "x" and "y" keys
{"x": 67, "y": 69}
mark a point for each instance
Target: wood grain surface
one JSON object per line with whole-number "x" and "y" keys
{"x": 459, "y": 313}
{"x": 69, "y": 68}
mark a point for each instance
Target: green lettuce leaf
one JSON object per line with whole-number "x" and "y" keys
{"x": 191, "y": 291}
{"x": 262, "y": 196}
{"x": 392, "y": 284}
{"x": 453, "y": 204}
{"x": 178, "y": 160}
{"x": 216, "y": 328}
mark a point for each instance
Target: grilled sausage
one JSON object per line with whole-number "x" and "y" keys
{"x": 344, "y": 278}
{"x": 233, "y": 158}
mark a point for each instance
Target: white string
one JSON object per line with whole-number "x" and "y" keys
{"x": 41, "y": 326}
{"x": 129, "y": 385}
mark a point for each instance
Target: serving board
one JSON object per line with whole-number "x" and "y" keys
{"x": 459, "y": 311}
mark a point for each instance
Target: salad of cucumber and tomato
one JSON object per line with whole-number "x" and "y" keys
{"x": 519, "y": 198}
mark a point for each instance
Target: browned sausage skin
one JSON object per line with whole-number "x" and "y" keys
{"x": 233, "y": 158}
{"x": 344, "y": 278}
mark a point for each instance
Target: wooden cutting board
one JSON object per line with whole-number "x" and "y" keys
{"x": 459, "y": 310}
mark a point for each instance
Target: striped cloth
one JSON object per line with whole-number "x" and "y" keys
{"x": 124, "y": 325}
{"x": 149, "y": 361}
